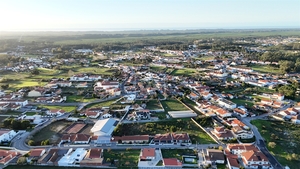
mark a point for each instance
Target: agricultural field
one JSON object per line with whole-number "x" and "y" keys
{"x": 153, "y": 104}
{"x": 123, "y": 158}
{"x": 183, "y": 72}
{"x": 173, "y": 105}
{"x": 102, "y": 104}
{"x": 286, "y": 137}
{"x": 51, "y": 132}
{"x": 266, "y": 69}
{"x": 76, "y": 98}
{"x": 157, "y": 68}
{"x": 176, "y": 125}
{"x": 243, "y": 102}
{"x": 65, "y": 108}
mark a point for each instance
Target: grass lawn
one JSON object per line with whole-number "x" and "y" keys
{"x": 242, "y": 102}
{"x": 266, "y": 69}
{"x": 102, "y": 104}
{"x": 177, "y": 153}
{"x": 206, "y": 57}
{"x": 153, "y": 104}
{"x": 124, "y": 157}
{"x": 95, "y": 70}
{"x": 157, "y": 68}
{"x": 50, "y": 132}
{"x": 30, "y": 113}
{"x": 287, "y": 139}
{"x": 173, "y": 105}
{"x": 76, "y": 98}
{"x": 183, "y": 72}
{"x": 65, "y": 108}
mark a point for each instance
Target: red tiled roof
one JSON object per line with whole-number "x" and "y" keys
{"x": 183, "y": 136}
{"x": 95, "y": 153}
{"x": 35, "y": 152}
{"x": 172, "y": 162}
{"x": 148, "y": 152}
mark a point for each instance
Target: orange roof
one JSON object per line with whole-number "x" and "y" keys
{"x": 172, "y": 162}
{"x": 36, "y": 152}
{"x": 148, "y": 152}
{"x": 254, "y": 156}
{"x": 245, "y": 147}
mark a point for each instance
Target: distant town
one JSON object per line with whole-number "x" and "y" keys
{"x": 221, "y": 103}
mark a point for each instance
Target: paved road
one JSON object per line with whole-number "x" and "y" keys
{"x": 259, "y": 139}
{"x": 19, "y": 142}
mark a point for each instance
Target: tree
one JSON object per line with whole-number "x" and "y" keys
{"x": 286, "y": 66}
{"x": 272, "y": 144}
{"x": 31, "y": 143}
{"x": 287, "y": 90}
{"x": 22, "y": 161}
{"x": 35, "y": 72}
{"x": 4, "y": 86}
{"x": 7, "y": 123}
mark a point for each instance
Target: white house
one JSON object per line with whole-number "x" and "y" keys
{"x": 72, "y": 158}
{"x": 108, "y": 84}
{"x": 18, "y": 102}
{"x": 147, "y": 154}
{"x": 7, "y": 135}
{"x": 55, "y": 112}
{"x": 104, "y": 127}
{"x": 226, "y": 103}
{"x": 255, "y": 159}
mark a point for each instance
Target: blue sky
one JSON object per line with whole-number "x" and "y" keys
{"x": 147, "y": 14}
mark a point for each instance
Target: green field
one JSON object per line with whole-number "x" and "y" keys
{"x": 184, "y": 72}
{"x": 102, "y": 104}
{"x": 65, "y": 108}
{"x": 243, "y": 102}
{"x": 177, "y": 153}
{"x": 196, "y": 134}
{"x": 125, "y": 158}
{"x": 76, "y": 98}
{"x": 173, "y": 105}
{"x": 287, "y": 139}
{"x": 153, "y": 104}
{"x": 157, "y": 68}
{"x": 266, "y": 69}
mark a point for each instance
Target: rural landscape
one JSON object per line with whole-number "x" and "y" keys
{"x": 149, "y": 84}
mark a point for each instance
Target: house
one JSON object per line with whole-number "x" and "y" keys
{"x": 278, "y": 96}
{"x": 222, "y": 112}
{"x": 52, "y": 156}
{"x": 35, "y": 93}
{"x": 160, "y": 139}
{"x": 241, "y": 133}
{"x": 172, "y": 163}
{"x": 183, "y": 138}
{"x": 215, "y": 156}
{"x": 7, "y": 156}
{"x": 7, "y": 135}
{"x": 255, "y": 159}
{"x": 35, "y": 154}
{"x": 107, "y": 84}
{"x": 76, "y": 138}
{"x": 206, "y": 95}
{"x": 266, "y": 101}
{"x": 55, "y": 112}
{"x": 147, "y": 154}
{"x": 240, "y": 112}
{"x": 82, "y": 85}
{"x": 18, "y": 102}
{"x": 104, "y": 127}
{"x": 72, "y": 158}
{"x": 222, "y": 134}
{"x": 131, "y": 139}
{"x": 237, "y": 149}
{"x": 193, "y": 96}
{"x": 94, "y": 157}
{"x": 226, "y": 103}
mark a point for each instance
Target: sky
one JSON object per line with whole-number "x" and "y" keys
{"x": 97, "y": 15}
